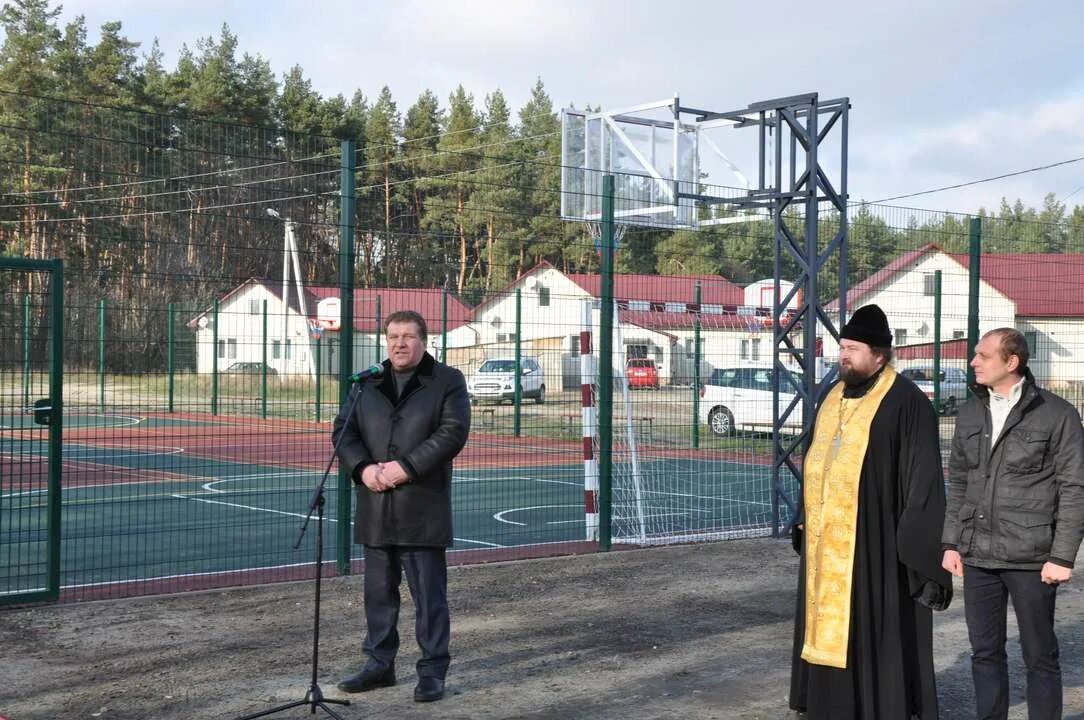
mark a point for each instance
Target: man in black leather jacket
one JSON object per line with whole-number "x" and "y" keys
{"x": 398, "y": 445}
{"x": 1014, "y": 520}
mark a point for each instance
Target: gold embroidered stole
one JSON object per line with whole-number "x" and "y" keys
{"x": 833, "y": 468}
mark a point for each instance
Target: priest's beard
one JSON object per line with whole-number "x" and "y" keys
{"x": 852, "y": 375}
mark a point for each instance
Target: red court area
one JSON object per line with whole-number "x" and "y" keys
{"x": 292, "y": 444}
{"x": 296, "y": 444}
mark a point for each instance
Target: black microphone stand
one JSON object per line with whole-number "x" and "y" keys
{"x": 315, "y": 696}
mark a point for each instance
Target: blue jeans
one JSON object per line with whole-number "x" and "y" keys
{"x": 985, "y": 606}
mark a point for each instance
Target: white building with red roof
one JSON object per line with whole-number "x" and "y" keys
{"x": 656, "y": 319}
{"x": 1042, "y": 295}
{"x": 291, "y": 336}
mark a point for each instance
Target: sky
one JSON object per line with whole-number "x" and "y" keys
{"x": 941, "y": 93}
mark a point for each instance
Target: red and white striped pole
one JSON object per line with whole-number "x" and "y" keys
{"x": 590, "y": 425}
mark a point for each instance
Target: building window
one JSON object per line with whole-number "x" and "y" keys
{"x": 744, "y": 352}
{"x": 901, "y": 337}
{"x": 573, "y": 343}
{"x": 756, "y": 349}
{"x": 711, "y": 309}
{"x": 254, "y": 306}
{"x": 640, "y": 305}
{"x": 227, "y": 348}
{"x": 543, "y": 296}
{"x": 1031, "y": 337}
{"x": 929, "y": 284}
{"x": 673, "y": 307}
{"x": 276, "y": 349}
{"x": 289, "y": 346}
{"x": 958, "y": 334}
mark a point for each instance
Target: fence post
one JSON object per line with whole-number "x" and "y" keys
{"x": 937, "y": 341}
{"x": 101, "y": 356}
{"x": 517, "y": 385}
{"x": 214, "y": 360}
{"x": 319, "y": 342}
{"x": 605, "y": 366}
{"x": 696, "y": 366}
{"x": 973, "y": 271}
{"x": 170, "y": 349}
{"x": 444, "y": 325}
{"x": 263, "y": 364}
{"x": 376, "y": 332}
{"x": 347, "y": 212}
{"x": 26, "y": 351}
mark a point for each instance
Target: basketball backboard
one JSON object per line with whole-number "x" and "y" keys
{"x": 656, "y": 162}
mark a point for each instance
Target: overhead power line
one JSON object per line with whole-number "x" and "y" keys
{"x": 976, "y": 182}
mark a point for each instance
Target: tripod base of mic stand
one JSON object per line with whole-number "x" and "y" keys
{"x": 314, "y": 697}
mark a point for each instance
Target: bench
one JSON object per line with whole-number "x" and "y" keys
{"x": 487, "y": 417}
{"x": 648, "y": 423}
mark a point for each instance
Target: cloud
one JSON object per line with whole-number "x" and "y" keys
{"x": 985, "y": 144}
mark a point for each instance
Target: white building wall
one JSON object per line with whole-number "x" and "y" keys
{"x": 1057, "y": 348}
{"x": 240, "y": 334}
{"x": 910, "y": 310}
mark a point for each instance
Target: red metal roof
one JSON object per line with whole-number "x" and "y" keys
{"x": 1041, "y": 285}
{"x": 425, "y": 301}
{"x": 714, "y": 289}
{"x": 950, "y": 350}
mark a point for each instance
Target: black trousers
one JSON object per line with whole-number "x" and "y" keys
{"x": 985, "y": 606}
{"x": 427, "y": 578}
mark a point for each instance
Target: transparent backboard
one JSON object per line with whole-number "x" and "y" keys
{"x": 655, "y": 161}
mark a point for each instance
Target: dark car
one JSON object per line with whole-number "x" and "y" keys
{"x": 251, "y": 368}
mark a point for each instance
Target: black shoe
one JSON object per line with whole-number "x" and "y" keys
{"x": 370, "y": 678}
{"x": 429, "y": 689}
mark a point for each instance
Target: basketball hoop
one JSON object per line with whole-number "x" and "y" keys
{"x": 595, "y": 230}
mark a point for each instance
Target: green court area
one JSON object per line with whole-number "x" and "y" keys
{"x": 167, "y": 510}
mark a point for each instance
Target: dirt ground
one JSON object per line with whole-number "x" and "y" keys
{"x": 697, "y": 631}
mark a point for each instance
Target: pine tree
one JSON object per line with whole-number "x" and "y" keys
{"x": 446, "y": 210}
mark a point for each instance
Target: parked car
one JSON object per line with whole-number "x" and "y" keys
{"x": 953, "y": 385}
{"x": 642, "y": 372}
{"x": 741, "y": 396}
{"x": 495, "y": 380}
{"x": 251, "y": 368}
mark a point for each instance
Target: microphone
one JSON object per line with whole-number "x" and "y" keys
{"x": 370, "y": 372}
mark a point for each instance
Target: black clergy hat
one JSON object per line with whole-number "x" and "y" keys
{"x": 868, "y": 325}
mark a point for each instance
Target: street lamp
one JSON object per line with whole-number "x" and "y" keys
{"x": 289, "y": 252}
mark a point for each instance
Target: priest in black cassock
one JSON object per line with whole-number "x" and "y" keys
{"x": 870, "y": 542}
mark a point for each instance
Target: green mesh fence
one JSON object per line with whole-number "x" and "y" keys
{"x": 203, "y": 348}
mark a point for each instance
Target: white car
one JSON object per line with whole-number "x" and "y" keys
{"x": 741, "y": 397}
{"x": 495, "y": 380}
{"x": 953, "y": 385}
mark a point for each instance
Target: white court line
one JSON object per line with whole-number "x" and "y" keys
{"x": 94, "y": 454}
{"x": 293, "y": 514}
{"x": 247, "y": 507}
{"x": 478, "y": 542}
{"x": 499, "y": 516}
{"x": 470, "y": 479}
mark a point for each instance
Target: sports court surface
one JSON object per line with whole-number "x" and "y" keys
{"x": 170, "y": 497}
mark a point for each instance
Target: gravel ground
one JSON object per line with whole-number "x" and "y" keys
{"x": 695, "y": 631}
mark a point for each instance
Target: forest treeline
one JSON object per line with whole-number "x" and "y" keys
{"x": 154, "y": 182}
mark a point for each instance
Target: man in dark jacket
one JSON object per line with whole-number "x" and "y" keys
{"x": 1014, "y": 520}
{"x": 398, "y": 445}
